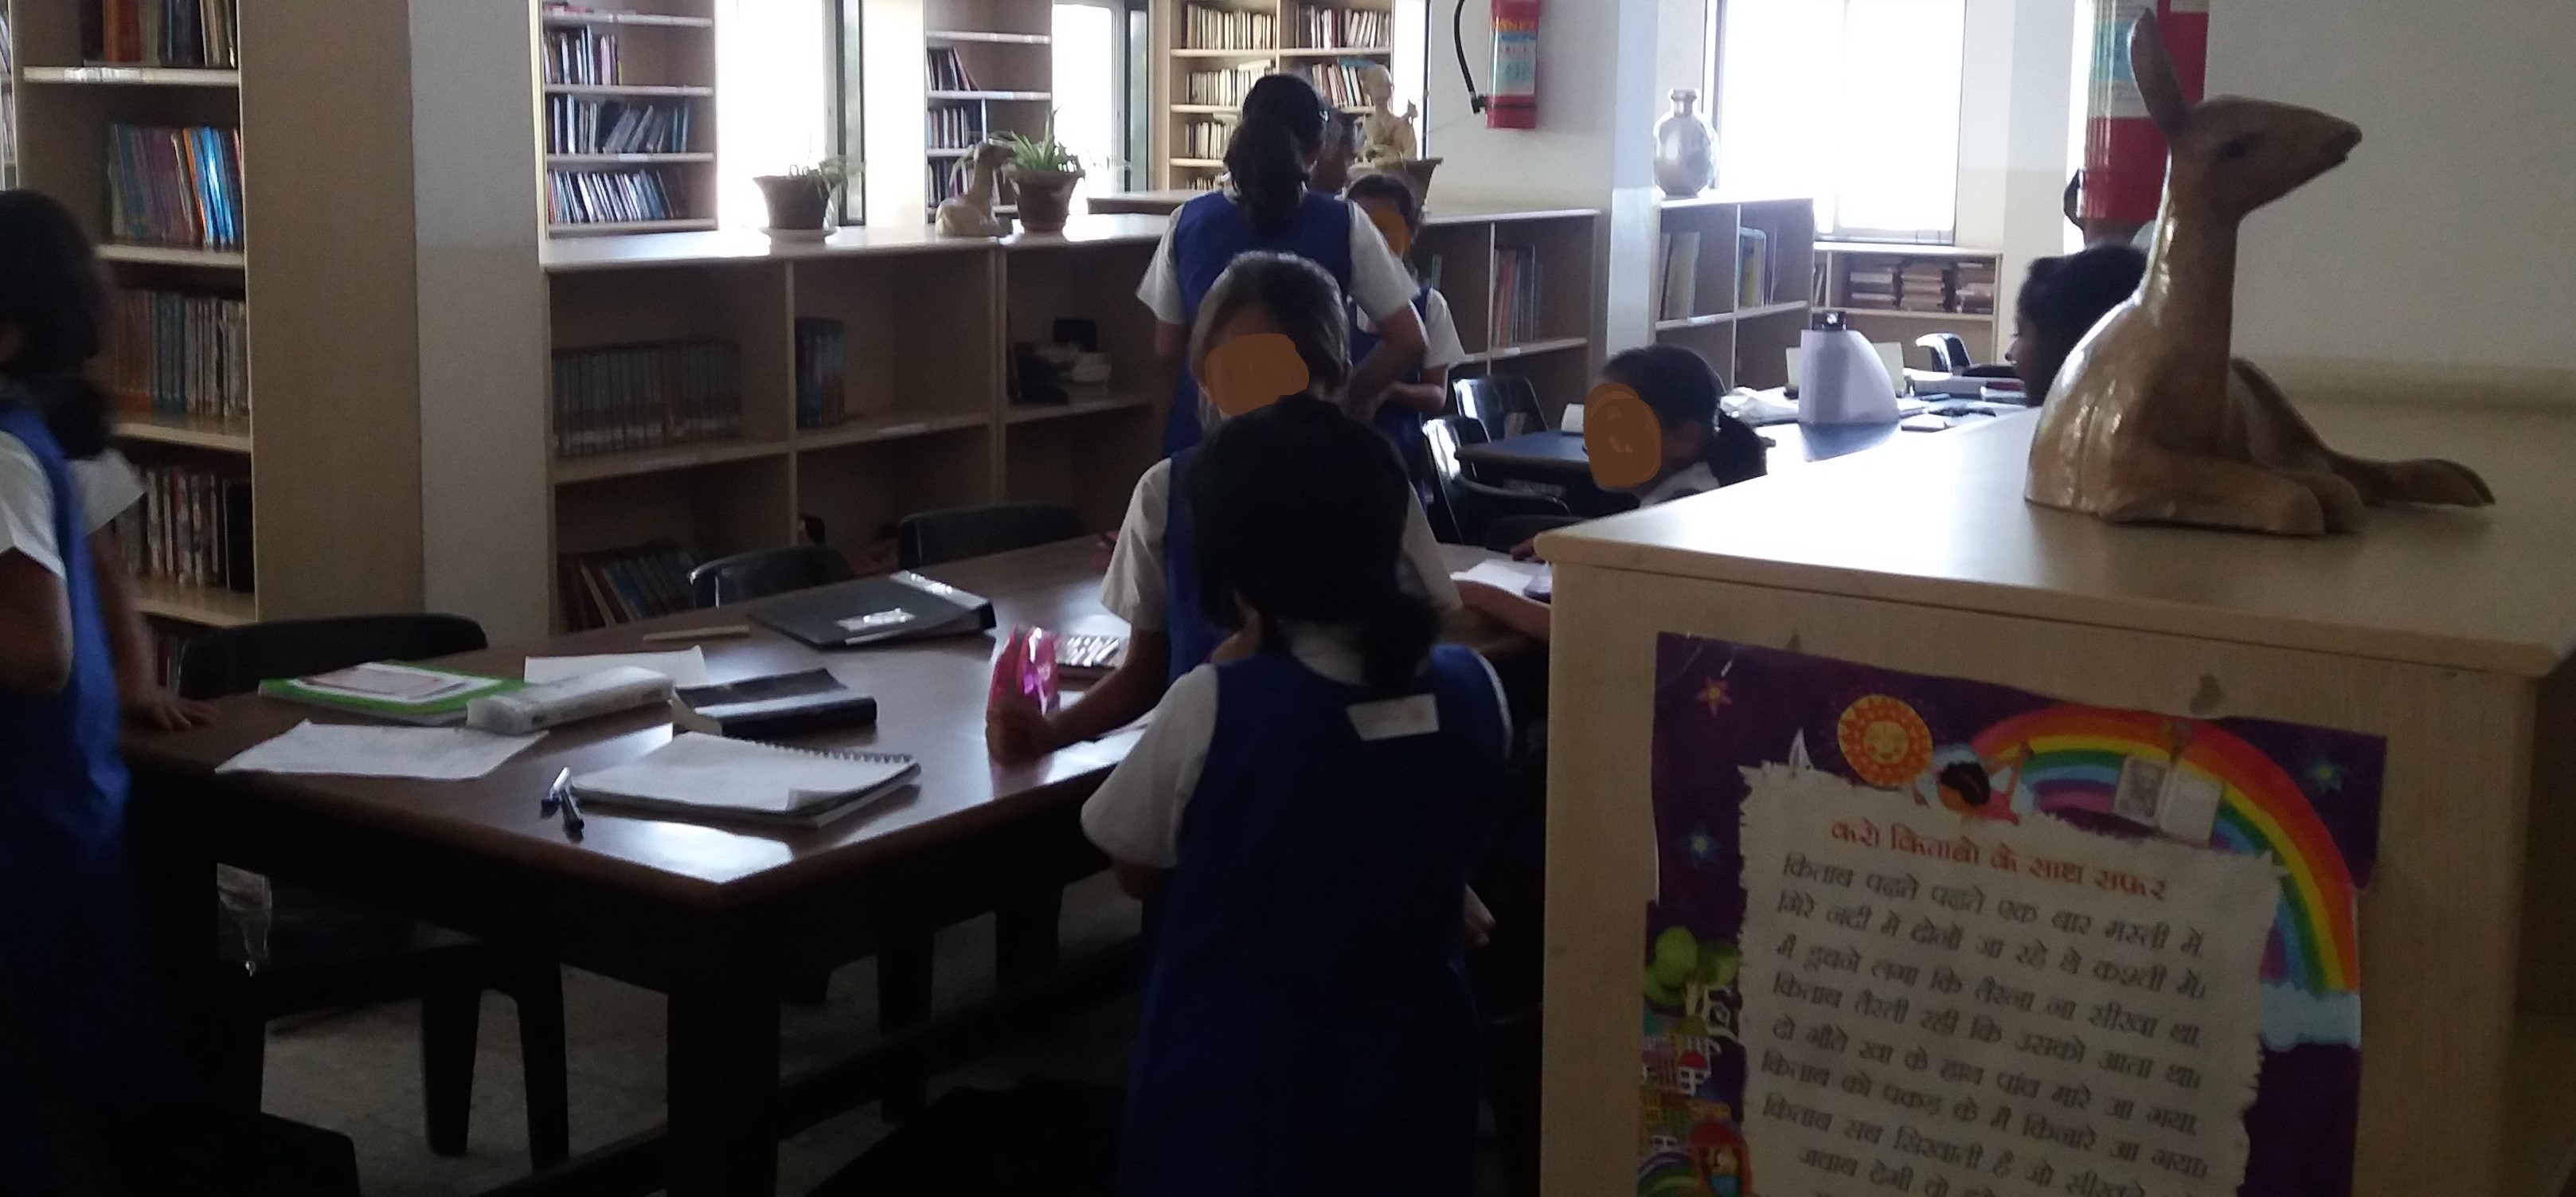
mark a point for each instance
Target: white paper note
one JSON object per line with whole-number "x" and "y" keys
{"x": 1971, "y": 1008}
{"x": 686, "y": 667}
{"x": 347, "y": 750}
{"x": 1503, "y": 573}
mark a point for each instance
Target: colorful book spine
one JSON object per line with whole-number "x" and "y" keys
{"x": 174, "y": 354}
{"x": 175, "y": 185}
{"x": 822, "y": 369}
{"x": 192, "y": 526}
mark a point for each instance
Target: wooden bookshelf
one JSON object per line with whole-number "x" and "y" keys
{"x": 1188, "y": 136}
{"x": 1005, "y": 50}
{"x": 665, "y": 61}
{"x": 1983, "y": 332}
{"x": 330, "y": 359}
{"x": 1741, "y": 308}
{"x": 1466, "y": 251}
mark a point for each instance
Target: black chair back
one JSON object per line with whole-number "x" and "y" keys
{"x": 764, "y": 572}
{"x": 1462, "y": 507}
{"x": 1506, "y": 404}
{"x": 1949, "y": 351}
{"x": 957, "y": 533}
{"x": 236, "y": 660}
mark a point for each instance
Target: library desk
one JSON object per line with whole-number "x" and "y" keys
{"x": 2445, "y": 632}
{"x": 1555, "y": 456}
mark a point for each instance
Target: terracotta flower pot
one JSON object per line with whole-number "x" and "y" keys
{"x": 1046, "y": 197}
{"x": 799, "y": 205}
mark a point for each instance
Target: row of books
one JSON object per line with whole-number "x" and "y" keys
{"x": 575, "y": 125}
{"x": 582, "y": 56}
{"x": 171, "y": 185}
{"x": 628, "y": 397}
{"x": 955, "y": 127}
{"x": 1972, "y": 288}
{"x": 611, "y": 196}
{"x": 1756, "y": 272}
{"x": 1919, "y": 285}
{"x": 1753, "y": 268}
{"x": 192, "y": 526}
{"x": 166, "y": 33}
{"x": 173, "y": 354}
{"x": 1224, "y": 87}
{"x": 624, "y": 585}
{"x": 1205, "y": 139}
{"x": 822, "y": 372}
{"x": 1344, "y": 28}
{"x": 1339, "y": 82}
{"x": 8, "y": 109}
{"x": 948, "y": 72}
{"x": 1517, "y": 278}
{"x": 1228, "y": 29}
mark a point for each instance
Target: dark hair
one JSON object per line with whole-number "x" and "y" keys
{"x": 1392, "y": 188}
{"x": 1682, "y": 389}
{"x": 1300, "y": 298}
{"x": 52, "y": 291}
{"x": 1282, "y": 125}
{"x": 1301, "y": 512}
{"x": 2061, "y": 300}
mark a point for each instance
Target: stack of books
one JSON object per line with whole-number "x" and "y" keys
{"x": 1924, "y": 286}
{"x": 578, "y": 126}
{"x": 164, "y": 33}
{"x": 1224, "y": 88}
{"x": 624, "y": 585}
{"x": 611, "y": 196}
{"x": 1972, "y": 287}
{"x": 631, "y": 397}
{"x": 948, "y": 71}
{"x": 1681, "y": 274}
{"x": 170, "y": 185}
{"x": 822, "y": 372}
{"x": 582, "y": 56}
{"x": 1517, "y": 276}
{"x": 1339, "y": 82}
{"x": 1343, "y": 28}
{"x": 1205, "y": 139}
{"x": 1227, "y": 29}
{"x": 1870, "y": 283}
{"x": 192, "y": 526}
{"x": 953, "y": 127}
{"x": 172, "y": 354}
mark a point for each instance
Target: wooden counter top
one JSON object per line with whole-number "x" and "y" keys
{"x": 750, "y": 245}
{"x": 1941, "y": 522}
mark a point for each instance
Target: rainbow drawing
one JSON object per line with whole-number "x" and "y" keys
{"x": 2069, "y": 758}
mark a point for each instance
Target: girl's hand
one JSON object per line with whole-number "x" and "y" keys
{"x": 1526, "y": 550}
{"x": 1480, "y": 921}
{"x": 1017, "y": 732}
{"x": 156, "y": 708}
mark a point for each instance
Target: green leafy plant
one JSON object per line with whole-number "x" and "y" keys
{"x": 1040, "y": 153}
{"x": 826, "y": 174}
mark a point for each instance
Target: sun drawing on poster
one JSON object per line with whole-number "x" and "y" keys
{"x": 1884, "y": 740}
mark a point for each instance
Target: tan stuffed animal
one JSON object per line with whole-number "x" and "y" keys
{"x": 2151, "y": 420}
{"x": 970, "y": 214}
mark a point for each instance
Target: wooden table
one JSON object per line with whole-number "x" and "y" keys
{"x": 1554, "y": 456}
{"x": 712, "y": 917}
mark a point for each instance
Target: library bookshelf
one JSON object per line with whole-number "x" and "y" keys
{"x": 988, "y": 70}
{"x": 1211, "y": 51}
{"x": 285, "y": 306}
{"x": 1970, "y": 316}
{"x": 1731, "y": 282}
{"x": 626, "y": 119}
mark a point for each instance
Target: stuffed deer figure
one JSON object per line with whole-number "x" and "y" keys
{"x": 970, "y": 213}
{"x": 2151, "y": 420}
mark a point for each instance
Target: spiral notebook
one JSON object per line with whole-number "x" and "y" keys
{"x": 698, "y": 776}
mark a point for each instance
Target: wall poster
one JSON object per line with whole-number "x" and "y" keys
{"x": 1937, "y": 938}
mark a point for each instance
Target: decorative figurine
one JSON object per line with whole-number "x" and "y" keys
{"x": 970, "y": 214}
{"x": 1685, "y": 158}
{"x": 1386, "y": 138}
{"x": 2152, "y": 421}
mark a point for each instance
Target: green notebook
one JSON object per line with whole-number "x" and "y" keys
{"x": 392, "y": 690}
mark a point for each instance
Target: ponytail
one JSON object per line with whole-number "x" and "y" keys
{"x": 1281, "y": 130}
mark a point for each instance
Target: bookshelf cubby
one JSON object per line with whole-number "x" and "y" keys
{"x": 989, "y": 69}
{"x": 1464, "y": 250}
{"x": 1903, "y": 318}
{"x": 1740, "y": 298}
{"x": 1209, "y": 51}
{"x": 325, "y": 356}
{"x": 638, "y": 126}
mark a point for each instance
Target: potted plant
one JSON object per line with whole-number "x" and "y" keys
{"x": 800, "y": 201}
{"x": 1044, "y": 173}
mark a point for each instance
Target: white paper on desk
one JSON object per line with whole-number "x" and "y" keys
{"x": 351, "y": 750}
{"x": 1503, "y": 573}
{"x": 686, "y": 667}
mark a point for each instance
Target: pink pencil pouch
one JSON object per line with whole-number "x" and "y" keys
{"x": 1026, "y": 668}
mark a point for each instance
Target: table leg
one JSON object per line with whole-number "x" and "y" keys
{"x": 174, "y": 886}
{"x": 1024, "y": 934}
{"x": 724, "y": 1081}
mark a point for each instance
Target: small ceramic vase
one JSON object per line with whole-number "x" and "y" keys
{"x": 1685, "y": 149}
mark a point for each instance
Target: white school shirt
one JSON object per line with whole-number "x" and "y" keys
{"x": 1135, "y": 815}
{"x": 1441, "y": 348}
{"x": 1379, "y": 282}
{"x": 1133, "y": 590}
{"x": 1683, "y": 485}
{"x": 106, "y": 486}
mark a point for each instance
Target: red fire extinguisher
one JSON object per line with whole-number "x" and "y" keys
{"x": 2124, "y": 154}
{"x": 1513, "y": 102}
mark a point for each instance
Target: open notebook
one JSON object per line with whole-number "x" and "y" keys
{"x": 699, "y": 776}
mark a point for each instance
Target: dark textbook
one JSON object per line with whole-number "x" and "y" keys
{"x": 899, "y": 606}
{"x": 766, "y": 708}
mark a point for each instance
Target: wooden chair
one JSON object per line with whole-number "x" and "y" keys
{"x": 1462, "y": 507}
{"x": 372, "y": 960}
{"x": 957, "y": 533}
{"x": 764, "y": 572}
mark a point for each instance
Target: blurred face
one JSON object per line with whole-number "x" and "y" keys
{"x": 1389, "y": 220}
{"x": 1247, "y": 363}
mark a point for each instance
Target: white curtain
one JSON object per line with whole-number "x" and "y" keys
{"x": 1855, "y": 102}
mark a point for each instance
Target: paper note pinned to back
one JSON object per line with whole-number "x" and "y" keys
{"x": 348, "y": 750}
{"x": 1503, "y": 573}
{"x": 687, "y": 667}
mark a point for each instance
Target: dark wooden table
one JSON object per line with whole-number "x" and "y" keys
{"x": 712, "y": 917}
{"x": 1553, "y": 456}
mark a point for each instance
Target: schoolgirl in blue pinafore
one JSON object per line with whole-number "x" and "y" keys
{"x": 1208, "y": 233}
{"x": 1400, "y": 424}
{"x": 1307, "y": 1025}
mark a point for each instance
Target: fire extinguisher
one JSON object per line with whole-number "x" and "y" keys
{"x": 1513, "y": 102}
{"x": 2124, "y": 154}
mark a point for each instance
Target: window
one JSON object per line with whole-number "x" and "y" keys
{"x": 1089, "y": 86}
{"x": 774, "y": 80}
{"x": 1855, "y": 102}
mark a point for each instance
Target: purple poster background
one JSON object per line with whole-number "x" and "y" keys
{"x": 1721, "y": 707}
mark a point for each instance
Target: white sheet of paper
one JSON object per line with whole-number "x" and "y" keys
{"x": 686, "y": 667}
{"x": 1503, "y": 573}
{"x": 2010, "y": 1009}
{"x": 347, "y": 750}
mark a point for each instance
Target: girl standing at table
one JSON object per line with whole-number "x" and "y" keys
{"x": 1267, "y": 205}
{"x": 1306, "y": 814}
{"x": 1389, "y": 202}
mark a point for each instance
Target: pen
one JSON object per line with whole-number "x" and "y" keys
{"x": 559, "y": 797}
{"x": 717, "y": 632}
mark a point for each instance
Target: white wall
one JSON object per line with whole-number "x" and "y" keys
{"x": 2450, "y": 237}
{"x": 2017, "y": 74}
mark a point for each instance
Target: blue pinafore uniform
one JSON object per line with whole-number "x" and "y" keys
{"x": 1307, "y": 1025}
{"x": 73, "y": 989}
{"x": 1399, "y": 423}
{"x": 1191, "y": 636}
{"x": 1208, "y": 233}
